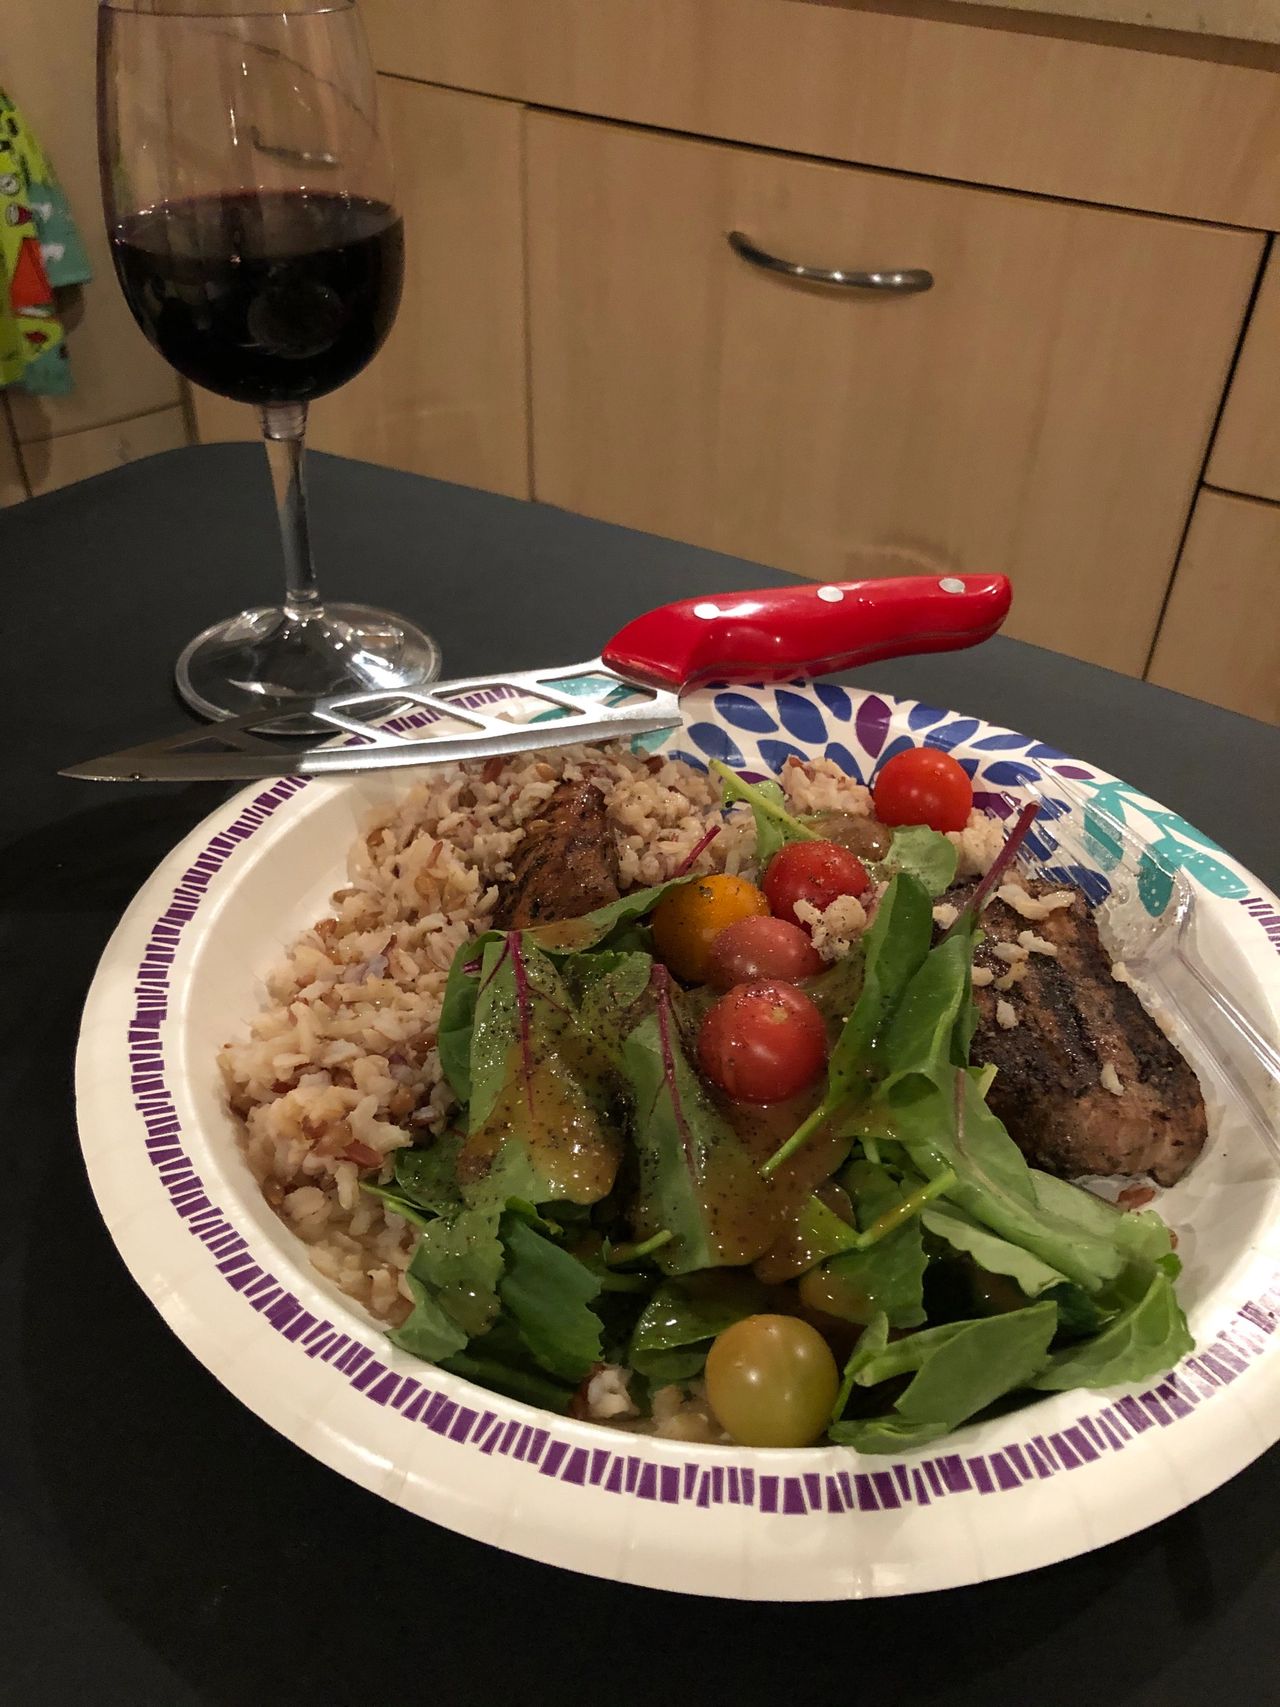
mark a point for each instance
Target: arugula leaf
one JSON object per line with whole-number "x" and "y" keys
{"x": 1147, "y": 1338}
{"x": 959, "y": 1370}
{"x": 895, "y": 947}
{"x": 1080, "y": 1313}
{"x": 676, "y": 1327}
{"x": 871, "y": 1342}
{"x": 989, "y": 1251}
{"x": 428, "y": 1331}
{"x": 887, "y": 1278}
{"x": 924, "y": 854}
{"x": 458, "y": 1014}
{"x": 695, "y": 1178}
{"x": 501, "y": 1362}
{"x": 459, "y": 1261}
{"x": 429, "y": 1177}
{"x": 993, "y": 1183}
{"x": 540, "y": 1091}
{"x": 835, "y": 992}
{"x": 397, "y": 1204}
{"x": 1140, "y": 1234}
{"x": 944, "y": 1122}
{"x": 613, "y": 994}
{"x": 548, "y": 1294}
{"x": 597, "y": 929}
{"x": 774, "y": 824}
{"x": 919, "y": 1038}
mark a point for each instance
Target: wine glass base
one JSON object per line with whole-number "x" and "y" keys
{"x": 269, "y": 662}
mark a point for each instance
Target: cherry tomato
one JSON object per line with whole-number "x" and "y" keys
{"x": 761, "y": 948}
{"x": 862, "y": 836}
{"x": 687, "y": 920}
{"x": 923, "y": 786}
{"x": 771, "y": 1381}
{"x": 762, "y": 1042}
{"x": 819, "y": 872}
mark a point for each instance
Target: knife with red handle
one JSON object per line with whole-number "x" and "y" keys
{"x": 632, "y": 688}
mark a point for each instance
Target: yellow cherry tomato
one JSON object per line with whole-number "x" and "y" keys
{"x": 687, "y": 921}
{"x": 771, "y": 1381}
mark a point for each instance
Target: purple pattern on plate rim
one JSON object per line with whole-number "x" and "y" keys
{"x": 882, "y": 1487}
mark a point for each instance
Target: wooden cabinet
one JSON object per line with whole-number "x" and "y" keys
{"x": 446, "y": 395}
{"x": 1044, "y": 410}
{"x": 1220, "y": 638}
{"x": 1246, "y": 447}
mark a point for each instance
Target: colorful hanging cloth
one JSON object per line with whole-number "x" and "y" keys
{"x": 40, "y": 250}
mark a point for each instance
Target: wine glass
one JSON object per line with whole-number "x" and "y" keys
{"x": 249, "y": 205}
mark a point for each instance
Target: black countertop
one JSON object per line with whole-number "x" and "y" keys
{"x": 304, "y": 1588}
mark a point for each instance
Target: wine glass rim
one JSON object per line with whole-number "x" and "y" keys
{"x": 244, "y": 9}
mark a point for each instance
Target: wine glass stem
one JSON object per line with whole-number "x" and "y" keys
{"x": 284, "y": 427}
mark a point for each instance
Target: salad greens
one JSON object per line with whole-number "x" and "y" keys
{"x": 695, "y": 1178}
{"x": 927, "y": 855}
{"x": 596, "y": 1202}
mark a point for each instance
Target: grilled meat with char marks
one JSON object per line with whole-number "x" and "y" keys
{"x": 1074, "y": 1019}
{"x": 566, "y": 865}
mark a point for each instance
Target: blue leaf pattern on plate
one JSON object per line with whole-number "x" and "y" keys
{"x": 683, "y": 757}
{"x": 903, "y": 744}
{"x": 776, "y": 753}
{"x": 1000, "y": 763}
{"x": 744, "y": 713}
{"x": 716, "y": 743}
{"x": 1000, "y": 743}
{"x": 800, "y": 716}
{"x": 922, "y": 716}
{"x": 844, "y": 758}
{"x": 946, "y": 737}
{"x": 1008, "y": 773}
{"x": 835, "y": 699}
{"x": 1094, "y": 884}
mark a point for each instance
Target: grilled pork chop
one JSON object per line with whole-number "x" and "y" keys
{"x": 566, "y": 865}
{"x": 1086, "y": 1081}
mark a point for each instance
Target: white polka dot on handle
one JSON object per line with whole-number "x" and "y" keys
{"x": 951, "y": 584}
{"x": 830, "y": 595}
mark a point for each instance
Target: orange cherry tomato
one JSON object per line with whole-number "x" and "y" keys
{"x": 687, "y": 921}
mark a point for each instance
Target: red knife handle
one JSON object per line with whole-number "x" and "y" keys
{"x": 811, "y": 629}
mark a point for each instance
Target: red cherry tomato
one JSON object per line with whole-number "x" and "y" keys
{"x": 811, "y": 871}
{"x": 923, "y": 786}
{"x": 762, "y": 1042}
{"x": 761, "y": 948}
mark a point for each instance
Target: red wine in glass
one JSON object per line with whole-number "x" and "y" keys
{"x": 253, "y": 228}
{"x": 277, "y": 297}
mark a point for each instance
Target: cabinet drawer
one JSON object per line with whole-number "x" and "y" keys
{"x": 1220, "y": 638}
{"x": 1246, "y": 447}
{"x": 1042, "y": 410}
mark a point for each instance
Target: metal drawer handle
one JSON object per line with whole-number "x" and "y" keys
{"x": 898, "y": 281}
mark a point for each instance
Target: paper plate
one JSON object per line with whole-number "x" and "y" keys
{"x": 1072, "y": 1471}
